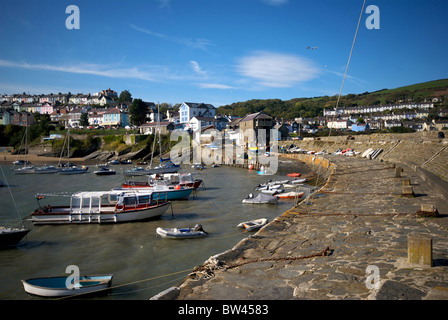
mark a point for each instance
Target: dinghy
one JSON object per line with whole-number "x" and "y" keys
{"x": 57, "y": 286}
{"x": 260, "y": 199}
{"x": 294, "y": 174}
{"x": 182, "y": 233}
{"x": 253, "y": 225}
{"x": 297, "y": 181}
{"x": 290, "y": 195}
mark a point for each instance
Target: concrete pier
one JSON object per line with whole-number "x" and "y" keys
{"x": 326, "y": 249}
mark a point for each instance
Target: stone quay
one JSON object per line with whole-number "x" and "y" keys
{"x": 361, "y": 236}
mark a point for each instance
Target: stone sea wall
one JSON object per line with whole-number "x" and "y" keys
{"x": 421, "y": 149}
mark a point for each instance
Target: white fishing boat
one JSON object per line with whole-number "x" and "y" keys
{"x": 114, "y": 206}
{"x": 57, "y": 286}
{"x": 182, "y": 233}
{"x": 261, "y": 199}
{"x": 253, "y": 225}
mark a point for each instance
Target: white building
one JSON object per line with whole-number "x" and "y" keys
{"x": 188, "y": 110}
{"x": 338, "y": 124}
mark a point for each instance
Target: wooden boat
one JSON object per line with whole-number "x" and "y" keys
{"x": 12, "y": 236}
{"x": 182, "y": 233}
{"x": 57, "y": 286}
{"x": 253, "y": 225}
{"x": 104, "y": 172}
{"x": 260, "y": 199}
{"x": 290, "y": 195}
{"x": 114, "y": 206}
{"x": 294, "y": 174}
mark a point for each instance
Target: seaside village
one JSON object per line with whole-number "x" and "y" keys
{"x": 104, "y": 110}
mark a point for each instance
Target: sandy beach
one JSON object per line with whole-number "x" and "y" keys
{"x": 6, "y": 158}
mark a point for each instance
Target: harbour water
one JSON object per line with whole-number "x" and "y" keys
{"x": 143, "y": 264}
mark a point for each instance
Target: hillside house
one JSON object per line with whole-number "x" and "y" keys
{"x": 188, "y": 110}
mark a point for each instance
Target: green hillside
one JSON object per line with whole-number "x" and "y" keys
{"x": 313, "y": 107}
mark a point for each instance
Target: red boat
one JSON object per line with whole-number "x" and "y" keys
{"x": 180, "y": 179}
{"x": 294, "y": 174}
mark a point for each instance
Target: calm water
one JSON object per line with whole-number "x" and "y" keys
{"x": 130, "y": 251}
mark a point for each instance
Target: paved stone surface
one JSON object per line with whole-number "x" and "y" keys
{"x": 363, "y": 220}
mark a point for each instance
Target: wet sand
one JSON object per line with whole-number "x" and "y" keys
{"x": 6, "y": 158}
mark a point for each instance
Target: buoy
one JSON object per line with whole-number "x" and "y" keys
{"x": 177, "y": 187}
{"x": 251, "y": 166}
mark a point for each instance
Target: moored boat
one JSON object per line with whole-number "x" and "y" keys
{"x": 73, "y": 170}
{"x": 294, "y": 174}
{"x": 290, "y": 195}
{"x": 253, "y": 225}
{"x": 12, "y": 236}
{"x": 114, "y": 206}
{"x": 182, "y": 179}
{"x": 260, "y": 199}
{"x": 104, "y": 172}
{"x": 57, "y": 286}
{"x": 46, "y": 170}
{"x": 182, "y": 233}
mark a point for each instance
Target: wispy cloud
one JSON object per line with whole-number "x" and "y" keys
{"x": 91, "y": 69}
{"x": 198, "y": 43}
{"x": 214, "y": 86}
{"x": 277, "y": 70}
{"x": 197, "y": 68}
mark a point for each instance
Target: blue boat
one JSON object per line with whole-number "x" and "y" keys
{"x": 162, "y": 191}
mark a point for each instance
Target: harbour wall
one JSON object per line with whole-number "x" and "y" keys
{"x": 420, "y": 150}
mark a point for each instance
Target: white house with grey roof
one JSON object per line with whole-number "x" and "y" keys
{"x": 189, "y": 110}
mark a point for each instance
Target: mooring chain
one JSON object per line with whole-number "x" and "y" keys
{"x": 213, "y": 264}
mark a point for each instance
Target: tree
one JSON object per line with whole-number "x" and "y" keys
{"x": 125, "y": 96}
{"x": 138, "y": 111}
{"x": 84, "y": 120}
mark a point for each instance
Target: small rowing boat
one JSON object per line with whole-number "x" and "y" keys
{"x": 182, "y": 233}
{"x": 294, "y": 174}
{"x": 253, "y": 225}
{"x": 62, "y": 286}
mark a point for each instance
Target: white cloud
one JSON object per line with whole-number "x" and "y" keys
{"x": 197, "y": 43}
{"x": 89, "y": 68}
{"x": 197, "y": 68}
{"x": 277, "y": 70}
{"x": 214, "y": 86}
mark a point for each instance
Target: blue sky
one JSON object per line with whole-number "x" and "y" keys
{"x": 220, "y": 51}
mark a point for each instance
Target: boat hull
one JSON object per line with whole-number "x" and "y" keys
{"x": 62, "y": 215}
{"x": 12, "y": 236}
{"x": 174, "y": 233}
{"x": 56, "y": 286}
